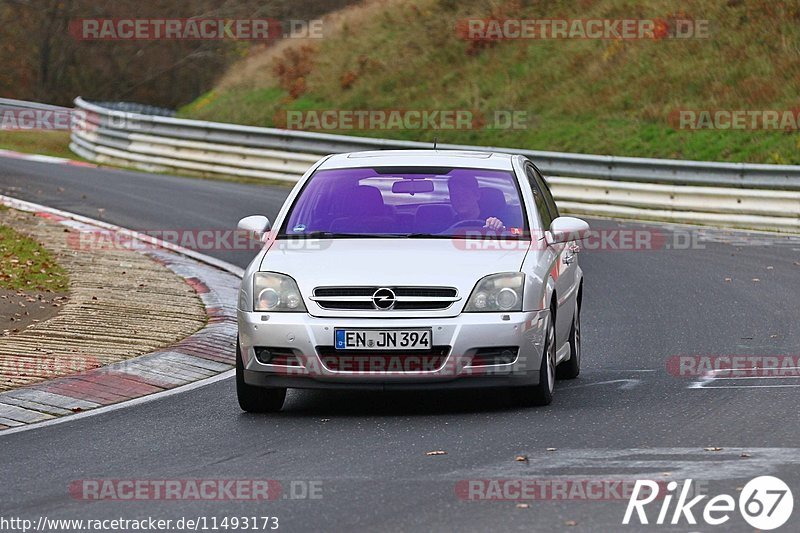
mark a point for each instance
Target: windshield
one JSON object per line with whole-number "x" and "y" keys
{"x": 422, "y": 202}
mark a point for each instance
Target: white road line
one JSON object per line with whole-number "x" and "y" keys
{"x": 706, "y": 381}
{"x": 759, "y": 377}
{"x": 627, "y": 384}
{"x": 745, "y": 386}
{"x": 750, "y": 369}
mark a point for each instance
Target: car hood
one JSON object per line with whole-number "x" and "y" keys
{"x": 392, "y": 262}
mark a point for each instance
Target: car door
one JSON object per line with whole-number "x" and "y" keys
{"x": 565, "y": 268}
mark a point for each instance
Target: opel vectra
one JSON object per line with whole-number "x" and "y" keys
{"x": 412, "y": 270}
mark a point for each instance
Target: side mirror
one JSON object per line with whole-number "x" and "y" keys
{"x": 566, "y": 229}
{"x": 256, "y": 225}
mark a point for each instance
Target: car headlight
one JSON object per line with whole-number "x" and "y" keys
{"x": 276, "y": 292}
{"x": 497, "y": 292}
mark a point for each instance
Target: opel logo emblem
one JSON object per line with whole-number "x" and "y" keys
{"x": 383, "y": 299}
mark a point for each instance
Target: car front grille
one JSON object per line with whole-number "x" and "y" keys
{"x": 406, "y": 298}
{"x": 383, "y": 361}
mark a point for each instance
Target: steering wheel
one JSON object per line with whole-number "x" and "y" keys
{"x": 464, "y": 223}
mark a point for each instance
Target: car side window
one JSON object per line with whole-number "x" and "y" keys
{"x": 539, "y": 198}
{"x": 548, "y": 196}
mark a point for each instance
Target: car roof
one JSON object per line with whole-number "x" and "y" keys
{"x": 422, "y": 158}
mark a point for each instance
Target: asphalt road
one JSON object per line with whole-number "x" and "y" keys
{"x": 626, "y": 417}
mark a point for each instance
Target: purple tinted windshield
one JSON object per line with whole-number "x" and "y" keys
{"x": 404, "y": 201}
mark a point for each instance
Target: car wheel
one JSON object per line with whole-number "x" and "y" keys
{"x": 541, "y": 394}
{"x": 571, "y": 368}
{"x": 256, "y": 399}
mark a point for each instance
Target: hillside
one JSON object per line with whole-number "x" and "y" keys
{"x": 582, "y": 95}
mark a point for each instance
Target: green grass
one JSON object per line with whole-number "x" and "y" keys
{"x": 27, "y": 265}
{"x": 54, "y": 143}
{"x": 589, "y": 96}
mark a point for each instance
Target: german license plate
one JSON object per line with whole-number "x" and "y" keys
{"x": 382, "y": 339}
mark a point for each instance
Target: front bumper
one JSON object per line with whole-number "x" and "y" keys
{"x": 308, "y": 337}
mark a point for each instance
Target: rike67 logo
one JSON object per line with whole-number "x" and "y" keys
{"x": 765, "y": 503}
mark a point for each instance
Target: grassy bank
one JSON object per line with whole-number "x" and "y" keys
{"x": 27, "y": 265}
{"x": 55, "y": 143}
{"x": 593, "y": 96}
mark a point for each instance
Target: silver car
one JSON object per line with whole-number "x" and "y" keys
{"x": 412, "y": 270}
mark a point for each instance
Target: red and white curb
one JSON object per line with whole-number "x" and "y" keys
{"x": 45, "y": 158}
{"x": 199, "y": 359}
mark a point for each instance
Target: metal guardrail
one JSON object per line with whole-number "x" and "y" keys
{"x": 24, "y": 104}
{"x": 674, "y": 172}
{"x": 133, "y": 107}
{"x": 727, "y": 194}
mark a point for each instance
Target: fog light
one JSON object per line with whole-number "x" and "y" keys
{"x": 503, "y": 355}
{"x": 263, "y": 355}
{"x": 271, "y": 355}
{"x": 507, "y": 356}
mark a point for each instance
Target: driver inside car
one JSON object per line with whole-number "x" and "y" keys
{"x": 464, "y": 198}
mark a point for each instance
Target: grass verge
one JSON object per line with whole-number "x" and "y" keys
{"x": 53, "y": 143}
{"x": 27, "y": 265}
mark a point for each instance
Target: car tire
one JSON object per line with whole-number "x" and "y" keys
{"x": 256, "y": 399}
{"x": 541, "y": 394}
{"x": 570, "y": 368}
